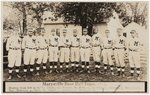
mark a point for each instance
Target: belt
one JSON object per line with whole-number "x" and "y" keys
{"x": 42, "y": 48}
{"x": 107, "y": 48}
{"x": 119, "y": 48}
{"x": 75, "y": 46}
{"x": 85, "y": 47}
{"x": 30, "y": 48}
{"x": 133, "y": 50}
{"x": 53, "y": 45}
{"x": 14, "y": 48}
{"x": 64, "y": 46}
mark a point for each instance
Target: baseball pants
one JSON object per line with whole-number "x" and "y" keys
{"x": 64, "y": 54}
{"x": 134, "y": 59}
{"x": 107, "y": 53}
{"x": 119, "y": 57}
{"x": 96, "y": 54}
{"x": 85, "y": 54}
{"x": 75, "y": 54}
{"x": 42, "y": 56}
{"x": 14, "y": 58}
{"x": 29, "y": 56}
{"x": 53, "y": 54}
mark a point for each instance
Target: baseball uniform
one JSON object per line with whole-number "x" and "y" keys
{"x": 96, "y": 49}
{"x": 53, "y": 50}
{"x": 85, "y": 44}
{"x": 134, "y": 54}
{"x": 13, "y": 47}
{"x": 29, "y": 44}
{"x": 64, "y": 43}
{"x": 42, "y": 46}
{"x": 119, "y": 46}
{"x": 75, "y": 50}
{"x": 107, "y": 51}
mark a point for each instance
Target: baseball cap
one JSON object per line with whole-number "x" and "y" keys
{"x": 85, "y": 29}
{"x": 132, "y": 31}
{"x": 64, "y": 30}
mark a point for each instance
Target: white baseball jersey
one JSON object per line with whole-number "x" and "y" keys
{"x": 14, "y": 47}
{"x": 107, "y": 42}
{"x": 85, "y": 41}
{"x": 29, "y": 42}
{"x": 75, "y": 41}
{"x": 119, "y": 42}
{"x": 54, "y": 40}
{"x": 134, "y": 43}
{"x": 96, "y": 40}
{"x": 13, "y": 42}
{"x": 64, "y": 41}
{"x": 42, "y": 42}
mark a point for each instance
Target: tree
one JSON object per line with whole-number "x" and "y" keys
{"x": 38, "y": 9}
{"x": 85, "y": 14}
{"x": 23, "y": 7}
{"x": 135, "y": 11}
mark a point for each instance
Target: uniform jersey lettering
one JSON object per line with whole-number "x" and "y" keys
{"x": 136, "y": 43}
{"x": 19, "y": 41}
{"x": 120, "y": 41}
{"x": 77, "y": 39}
{"x": 96, "y": 38}
{"x": 67, "y": 40}
{"x": 56, "y": 39}
{"x": 87, "y": 40}
{"x": 109, "y": 41}
{"x": 33, "y": 40}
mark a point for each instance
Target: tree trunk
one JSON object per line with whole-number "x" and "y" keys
{"x": 24, "y": 23}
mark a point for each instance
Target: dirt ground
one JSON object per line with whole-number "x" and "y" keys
{"x": 73, "y": 76}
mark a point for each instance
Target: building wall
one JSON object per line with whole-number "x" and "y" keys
{"x": 60, "y": 27}
{"x": 48, "y": 27}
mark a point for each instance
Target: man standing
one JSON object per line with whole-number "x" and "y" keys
{"x": 85, "y": 44}
{"x": 64, "y": 43}
{"x": 13, "y": 47}
{"x": 120, "y": 47}
{"x": 107, "y": 50}
{"x": 75, "y": 53}
{"x": 42, "y": 46}
{"x": 29, "y": 45}
{"x": 96, "y": 43}
{"x": 53, "y": 51}
{"x": 134, "y": 53}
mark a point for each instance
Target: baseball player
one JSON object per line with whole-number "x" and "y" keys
{"x": 75, "y": 50}
{"x": 53, "y": 50}
{"x": 134, "y": 53}
{"x": 29, "y": 46}
{"x": 85, "y": 44}
{"x": 13, "y": 47}
{"x": 42, "y": 46}
{"x": 64, "y": 44}
{"x": 96, "y": 47}
{"x": 107, "y": 45}
{"x": 119, "y": 50}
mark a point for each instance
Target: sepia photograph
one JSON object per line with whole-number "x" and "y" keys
{"x": 75, "y": 46}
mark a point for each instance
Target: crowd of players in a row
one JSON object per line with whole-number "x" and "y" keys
{"x": 72, "y": 52}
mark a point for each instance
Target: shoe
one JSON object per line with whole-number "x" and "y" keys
{"x": 10, "y": 77}
{"x": 89, "y": 71}
{"x": 18, "y": 76}
{"x": 46, "y": 72}
{"x": 123, "y": 75}
{"x": 112, "y": 73}
{"x": 37, "y": 74}
{"x": 50, "y": 71}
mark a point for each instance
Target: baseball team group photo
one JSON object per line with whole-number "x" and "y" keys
{"x": 75, "y": 41}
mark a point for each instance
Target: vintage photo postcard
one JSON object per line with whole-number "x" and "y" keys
{"x": 73, "y": 47}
